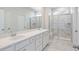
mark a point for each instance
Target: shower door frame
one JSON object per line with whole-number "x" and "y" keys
{"x": 58, "y": 31}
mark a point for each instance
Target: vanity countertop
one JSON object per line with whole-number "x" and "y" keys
{"x": 4, "y": 42}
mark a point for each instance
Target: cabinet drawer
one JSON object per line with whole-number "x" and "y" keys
{"x": 38, "y": 43}
{"x": 25, "y": 48}
{"x": 31, "y": 47}
{"x": 22, "y": 49}
{"x": 22, "y": 44}
{"x": 10, "y": 48}
{"x": 39, "y": 48}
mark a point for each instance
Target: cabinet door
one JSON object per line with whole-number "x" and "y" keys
{"x": 22, "y": 44}
{"x": 39, "y": 48}
{"x": 30, "y": 47}
{"x": 39, "y": 42}
{"x": 45, "y": 38}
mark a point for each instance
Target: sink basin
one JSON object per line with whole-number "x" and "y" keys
{"x": 17, "y": 37}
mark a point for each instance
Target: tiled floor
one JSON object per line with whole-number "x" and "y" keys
{"x": 59, "y": 44}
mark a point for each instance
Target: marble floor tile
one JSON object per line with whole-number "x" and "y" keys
{"x": 59, "y": 44}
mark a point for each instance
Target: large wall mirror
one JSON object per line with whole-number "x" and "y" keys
{"x": 16, "y": 19}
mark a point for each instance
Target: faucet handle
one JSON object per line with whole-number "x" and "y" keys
{"x": 2, "y": 29}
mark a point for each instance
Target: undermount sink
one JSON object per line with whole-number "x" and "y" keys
{"x": 17, "y": 37}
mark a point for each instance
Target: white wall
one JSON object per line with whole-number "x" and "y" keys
{"x": 45, "y": 18}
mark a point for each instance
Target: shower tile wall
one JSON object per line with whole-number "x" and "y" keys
{"x": 61, "y": 25}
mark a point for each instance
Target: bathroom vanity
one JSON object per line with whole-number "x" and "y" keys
{"x": 33, "y": 40}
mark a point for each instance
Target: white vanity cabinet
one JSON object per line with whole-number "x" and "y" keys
{"x": 45, "y": 37}
{"x": 26, "y": 45}
{"x": 35, "y": 42}
{"x": 39, "y": 42}
{"x": 22, "y": 44}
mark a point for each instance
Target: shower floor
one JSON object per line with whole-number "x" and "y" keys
{"x": 59, "y": 44}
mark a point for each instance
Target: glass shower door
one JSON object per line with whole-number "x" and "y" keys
{"x": 64, "y": 27}
{"x": 60, "y": 26}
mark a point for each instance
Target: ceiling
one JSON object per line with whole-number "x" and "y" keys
{"x": 60, "y": 10}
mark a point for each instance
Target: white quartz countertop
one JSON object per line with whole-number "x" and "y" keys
{"x": 4, "y": 42}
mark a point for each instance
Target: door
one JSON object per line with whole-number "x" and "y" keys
{"x": 75, "y": 28}
{"x": 61, "y": 26}
{"x": 64, "y": 26}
